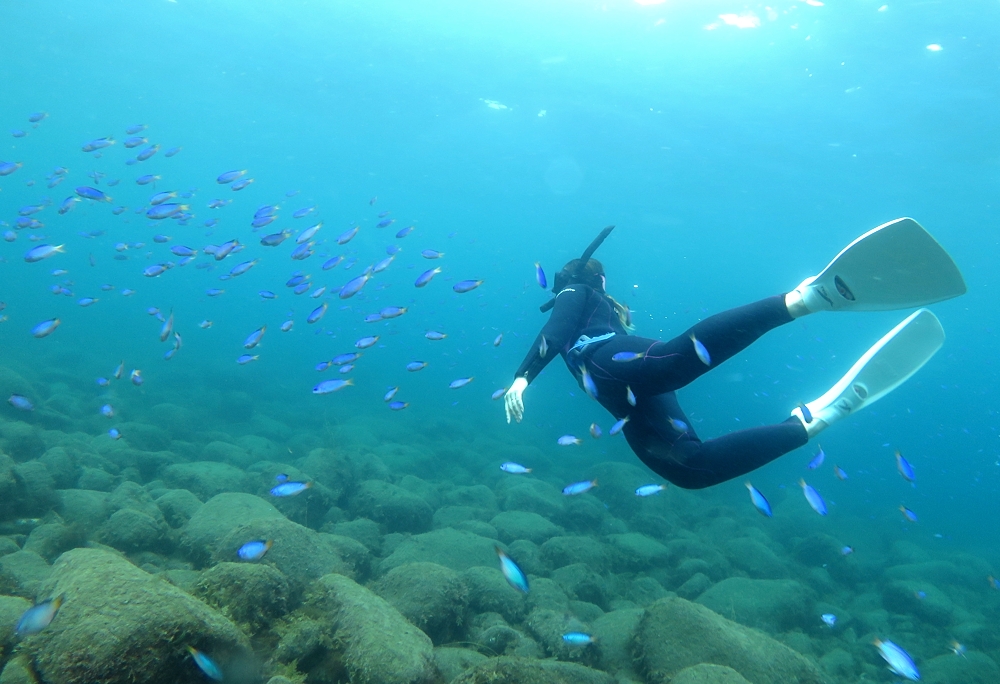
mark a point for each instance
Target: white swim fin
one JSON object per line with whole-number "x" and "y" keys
{"x": 898, "y": 265}
{"x": 899, "y": 354}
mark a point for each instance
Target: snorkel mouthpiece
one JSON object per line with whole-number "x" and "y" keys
{"x": 560, "y": 281}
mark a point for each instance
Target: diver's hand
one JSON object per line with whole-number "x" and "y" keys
{"x": 512, "y": 401}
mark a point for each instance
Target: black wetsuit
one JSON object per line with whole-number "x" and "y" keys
{"x": 670, "y": 448}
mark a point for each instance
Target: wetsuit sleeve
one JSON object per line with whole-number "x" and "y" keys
{"x": 562, "y": 328}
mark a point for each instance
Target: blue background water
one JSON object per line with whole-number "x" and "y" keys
{"x": 734, "y": 163}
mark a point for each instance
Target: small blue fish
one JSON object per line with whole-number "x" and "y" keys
{"x": 902, "y": 465}
{"x": 205, "y": 664}
{"x": 398, "y": 405}
{"x": 390, "y": 394}
{"x": 908, "y": 514}
{"x": 649, "y": 490}
{"x": 317, "y": 313}
{"x": 466, "y": 286}
{"x": 813, "y": 497}
{"x": 135, "y": 141}
{"x": 589, "y": 386}
{"x": 347, "y": 236}
{"x": 92, "y": 194}
{"x": 290, "y": 488}
{"x": 435, "y": 335}
{"x": 461, "y": 382}
{"x": 38, "y": 617}
{"x": 230, "y": 176}
{"x": 21, "y": 403}
{"x": 45, "y": 328}
{"x": 846, "y": 550}
{"x": 36, "y": 254}
{"x": 569, "y": 440}
{"x": 701, "y": 351}
{"x": 543, "y": 349}
{"x": 214, "y": 292}
{"x": 899, "y": 661}
{"x": 307, "y": 234}
{"x": 147, "y": 179}
{"x": 254, "y": 550}
{"x": 135, "y": 128}
{"x": 625, "y": 356}
{"x": 165, "y": 211}
{"x": 630, "y": 396}
{"x": 758, "y": 500}
{"x": 114, "y": 433}
{"x": 618, "y": 427}
{"x": 135, "y": 377}
{"x": 7, "y": 168}
{"x": 392, "y": 312}
{"x": 244, "y": 359}
{"x": 578, "y": 639}
{"x": 595, "y": 431}
{"x": 349, "y": 357}
{"x": 332, "y": 262}
{"x": 512, "y": 572}
{"x": 303, "y": 212}
{"x": 354, "y": 286}
{"x": 839, "y": 472}
{"x": 499, "y": 393}
{"x": 183, "y": 251}
{"x": 540, "y": 276}
{"x": 254, "y": 338}
{"x": 172, "y": 151}
{"x": 806, "y": 413}
{"x": 415, "y": 366}
{"x": 287, "y": 325}
{"x": 328, "y": 386}
{"x": 275, "y": 239}
{"x": 817, "y": 460}
{"x": 108, "y": 411}
{"x": 366, "y": 342}
{"x": 514, "y": 468}
{"x": 579, "y": 487}
{"x": 386, "y": 223}
{"x": 678, "y": 425}
{"x": 829, "y": 619}
{"x": 147, "y": 153}
{"x": 431, "y": 254}
{"x": 281, "y": 477}
{"x": 426, "y": 277}
{"x": 403, "y": 232}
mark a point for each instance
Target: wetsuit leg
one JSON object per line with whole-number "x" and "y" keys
{"x": 668, "y": 366}
{"x": 677, "y": 454}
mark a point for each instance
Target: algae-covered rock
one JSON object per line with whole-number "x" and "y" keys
{"x": 974, "y": 668}
{"x": 51, "y": 539}
{"x": 18, "y": 671}
{"x": 394, "y": 507}
{"x": 300, "y": 553}
{"x": 637, "y": 552}
{"x": 451, "y": 548}
{"x": 218, "y": 517}
{"x": 755, "y": 559}
{"x": 614, "y": 632}
{"x": 534, "y": 496}
{"x": 206, "y": 479}
{"x": 130, "y": 530}
{"x": 514, "y": 670}
{"x": 21, "y": 573}
{"x": 489, "y": 592}
{"x": 177, "y": 506}
{"x": 707, "y": 673}
{"x": 560, "y": 551}
{"x": 11, "y": 610}
{"x": 582, "y": 584}
{"x": 452, "y": 662}
{"x": 86, "y": 508}
{"x": 675, "y": 634}
{"x": 378, "y": 645}
{"x": 249, "y": 593}
{"x": 514, "y": 525}
{"x": 770, "y": 605}
{"x": 363, "y": 530}
{"x": 120, "y": 625}
{"x": 548, "y": 627}
{"x": 431, "y": 596}
{"x": 919, "y": 598}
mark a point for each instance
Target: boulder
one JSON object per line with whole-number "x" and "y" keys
{"x": 376, "y": 644}
{"x": 177, "y": 506}
{"x": 361, "y": 529}
{"x": 489, "y": 592}
{"x": 514, "y": 670}
{"x": 129, "y": 530}
{"x": 219, "y": 517}
{"x": 22, "y": 572}
{"x": 206, "y": 479}
{"x": 452, "y": 662}
{"x": 251, "y": 594}
{"x": 514, "y": 525}
{"x": 974, "y": 668}
{"x": 675, "y": 634}
{"x": 431, "y": 596}
{"x": 706, "y": 673}
{"x": 120, "y": 625}
{"x": 451, "y": 548}
{"x": 394, "y": 507}
{"x": 769, "y": 605}
{"x": 86, "y": 508}
{"x": 614, "y": 632}
{"x": 11, "y": 610}
{"x": 636, "y": 552}
{"x": 560, "y": 551}
{"x": 51, "y": 539}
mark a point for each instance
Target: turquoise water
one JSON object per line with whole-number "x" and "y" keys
{"x": 734, "y": 163}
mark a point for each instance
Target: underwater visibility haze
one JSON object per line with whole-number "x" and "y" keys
{"x": 268, "y": 269}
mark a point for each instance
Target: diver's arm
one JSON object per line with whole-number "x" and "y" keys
{"x": 562, "y": 324}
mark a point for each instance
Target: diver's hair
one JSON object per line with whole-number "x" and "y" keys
{"x": 590, "y": 274}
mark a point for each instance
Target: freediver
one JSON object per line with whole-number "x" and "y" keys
{"x": 897, "y": 265}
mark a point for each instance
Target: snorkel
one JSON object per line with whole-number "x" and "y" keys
{"x": 577, "y": 272}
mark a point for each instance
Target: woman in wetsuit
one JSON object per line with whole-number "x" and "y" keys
{"x": 894, "y": 266}
{"x": 588, "y": 328}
